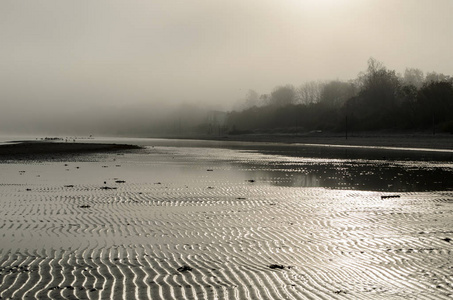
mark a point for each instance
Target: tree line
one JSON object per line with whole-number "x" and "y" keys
{"x": 378, "y": 99}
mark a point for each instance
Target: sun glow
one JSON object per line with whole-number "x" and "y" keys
{"x": 322, "y": 4}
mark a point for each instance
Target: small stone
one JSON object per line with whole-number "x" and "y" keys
{"x": 184, "y": 269}
{"x": 275, "y": 266}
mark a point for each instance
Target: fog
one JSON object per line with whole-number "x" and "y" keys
{"x": 132, "y": 67}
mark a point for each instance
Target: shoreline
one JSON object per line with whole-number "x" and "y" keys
{"x": 420, "y": 142}
{"x": 415, "y": 141}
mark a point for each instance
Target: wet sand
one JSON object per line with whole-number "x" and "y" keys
{"x": 210, "y": 223}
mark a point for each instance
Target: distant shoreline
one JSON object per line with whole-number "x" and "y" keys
{"x": 38, "y": 149}
{"x": 397, "y": 140}
{"x": 29, "y": 150}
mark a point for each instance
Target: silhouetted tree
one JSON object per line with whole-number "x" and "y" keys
{"x": 251, "y": 99}
{"x": 437, "y": 77}
{"x": 435, "y": 104}
{"x": 413, "y": 77}
{"x": 408, "y": 118}
{"x": 335, "y": 93}
{"x": 283, "y": 95}
{"x": 376, "y": 103}
{"x": 310, "y": 92}
{"x": 264, "y": 99}
{"x": 377, "y": 99}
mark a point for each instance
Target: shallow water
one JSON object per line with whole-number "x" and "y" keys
{"x": 344, "y": 167}
{"x": 120, "y": 226}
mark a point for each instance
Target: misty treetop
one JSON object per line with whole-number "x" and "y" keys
{"x": 378, "y": 99}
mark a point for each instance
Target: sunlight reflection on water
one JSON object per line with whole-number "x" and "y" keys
{"x": 339, "y": 167}
{"x": 354, "y": 173}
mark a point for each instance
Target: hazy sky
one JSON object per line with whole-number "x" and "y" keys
{"x": 66, "y": 54}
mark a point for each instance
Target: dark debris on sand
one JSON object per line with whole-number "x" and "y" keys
{"x": 390, "y": 196}
{"x": 71, "y": 288}
{"x": 275, "y": 266}
{"x": 14, "y": 269}
{"x": 184, "y": 269}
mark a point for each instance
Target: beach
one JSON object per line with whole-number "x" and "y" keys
{"x": 175, "y": 219}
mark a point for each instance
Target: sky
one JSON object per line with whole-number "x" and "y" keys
{"x": 60, "y": 58}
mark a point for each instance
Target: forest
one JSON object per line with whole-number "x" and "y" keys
{"x": 378, "y": 99}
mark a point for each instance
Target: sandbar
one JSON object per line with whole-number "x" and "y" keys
{"x": 24, "y": 150}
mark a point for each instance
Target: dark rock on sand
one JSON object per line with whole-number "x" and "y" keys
{"x": 184, "y": 269}
{"x": 275, "y": 266}
{"x": 390, "y": 196}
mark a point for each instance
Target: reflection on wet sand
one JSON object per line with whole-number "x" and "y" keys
{"x": 199, "y": 222}
{"x": 393, "y": 171}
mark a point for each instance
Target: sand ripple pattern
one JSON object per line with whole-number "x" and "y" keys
{"x": 198, "y": 237}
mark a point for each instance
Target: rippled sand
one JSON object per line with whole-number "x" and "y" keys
{"x": 174, "y": 223}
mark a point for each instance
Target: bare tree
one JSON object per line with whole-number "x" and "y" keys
{"x": 413, "y": 77}
{"x": 310, "y": 92}
{"x": 437, "y": 77}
